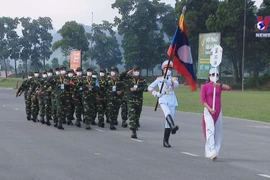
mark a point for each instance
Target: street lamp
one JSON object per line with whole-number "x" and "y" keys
{"x": 244, "y": 38}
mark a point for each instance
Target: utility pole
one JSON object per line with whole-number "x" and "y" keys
{"x": 244, "y": 39}
{"x": 91, "y": 38}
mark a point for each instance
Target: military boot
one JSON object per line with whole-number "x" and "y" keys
{"x": 78, "y": 123}
{"x": 48, "y": 121}
{"x": 134, "y": 134}
{"x": 112, "y": 127}
{"x": 34, "y": 119}
{"x": 60, "y": 126}
{"x": 28, "y": 117}
{"x": 101, "y": 124}
{"x": 42, "y": 120}
{"x": 167, "y": 133}
{"x": 93, "y": 123}
{"x": 124, "y": 124}
{"x": 69, "y": 122}
{"x": 65, "y": 121}
{"x": 170, "y": 121}
{"x": 87, "y": 127}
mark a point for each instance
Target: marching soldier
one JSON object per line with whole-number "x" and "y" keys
{"x": 77, "y": 96}
{"x": 90, "y": 89}
{"x": 135, "y": 85}
{"x": 53, "y": 88}
{"x": 33, "y": 93}
{"x": 41, "y": 96}
{"x": 48, "y": 98}
{"x": 114, "y": 95}
{"x": 25, "y": 87}
{"x": 70, "y": 107}
{"x": 94, "y": 76}
{"x": 62, "y": 87}
{"x": 101, "y": 97}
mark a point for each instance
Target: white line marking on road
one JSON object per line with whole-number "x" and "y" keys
{"x": 16, "y": 109}
{"x": 262, "y": 127}
{"x": 99, "y": 130}
{"x": 4, "y": 105}
{"x": 190, "y": 154}
{"x": 138, "y": 140}
{"x": 264, "y": 175}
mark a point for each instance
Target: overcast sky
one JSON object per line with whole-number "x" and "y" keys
{"x": 61, "y": 11}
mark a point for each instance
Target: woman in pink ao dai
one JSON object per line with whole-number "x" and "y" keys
{"x": 212, "y": 119}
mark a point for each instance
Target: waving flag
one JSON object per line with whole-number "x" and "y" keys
{"x": 181, "y": 53}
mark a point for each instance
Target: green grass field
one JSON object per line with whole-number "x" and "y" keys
{"x": 253, "y": 105}
{"x": 10, "y": 82}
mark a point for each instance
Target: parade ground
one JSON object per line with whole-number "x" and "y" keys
{"x": 34, "y": 151}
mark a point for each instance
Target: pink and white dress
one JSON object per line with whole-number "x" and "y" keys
{"x": 212, "y": 123}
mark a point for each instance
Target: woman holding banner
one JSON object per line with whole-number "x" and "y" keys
{"x": 212, "y": 117}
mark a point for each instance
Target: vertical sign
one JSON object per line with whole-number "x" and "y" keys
{"x": 75, "y": 59}
{"x": 206, "y": 43}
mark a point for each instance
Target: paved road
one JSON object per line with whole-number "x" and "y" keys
{"x": 32, "y": 151}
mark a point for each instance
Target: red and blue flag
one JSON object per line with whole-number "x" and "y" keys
{"x": 181, "y": 53}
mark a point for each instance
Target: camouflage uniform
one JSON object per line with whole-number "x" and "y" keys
{"x": 93, "y": 122}
{"x": 34, "y": 83}
{"x": 101, "y": 97}
{"x": 90, "y": 89}
{"x": 114, "y": 97}
{"x": 62, "y": 87}
{"x": 41, "y": 96}
{"x": 70, "y": 107}
{"x": 27, "y": 100}
{"x": 77, "y": 96}
{"x": 135, "y": 86}
{"x": 48, "y": 98}
{"x": 124, "y": 110}
{"x": 53, "y": 95}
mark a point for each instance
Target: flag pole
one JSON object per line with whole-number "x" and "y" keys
{"x": 170, "y": 58}
{"x": 165, "y": 74}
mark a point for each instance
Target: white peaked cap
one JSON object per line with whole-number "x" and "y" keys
{"x": 165, "y": 64}
{"x": 212, "y": 70}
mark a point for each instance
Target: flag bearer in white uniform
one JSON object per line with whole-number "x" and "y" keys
{"x": 167, "y": 99}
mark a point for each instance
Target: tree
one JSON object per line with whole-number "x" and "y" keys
{"x": 4, "y": 49}
{"x": 47, "y": 66}
{"x": 45, "y": 38}
{"x": 74, "y": 37}
{"x": 229, "y": 21}
{"x": 143, "y": 42}
{"x": 55, "y": 63}
{"x": 30, "y": 41}
{"x": 106, "y": 50}
{"x": 66, "y": 63}
{"x": 14, "y": 46}
{"x": 168, "y": 20}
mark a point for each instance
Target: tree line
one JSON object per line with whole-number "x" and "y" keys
{"x": 146, "y": 28}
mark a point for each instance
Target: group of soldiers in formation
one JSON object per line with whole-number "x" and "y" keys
{"x": 58, "y": 95}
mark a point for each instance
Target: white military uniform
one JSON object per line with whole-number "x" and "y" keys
{"x": 168, "y": 100}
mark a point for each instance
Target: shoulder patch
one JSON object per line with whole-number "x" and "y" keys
{"x": 174, "y": 79}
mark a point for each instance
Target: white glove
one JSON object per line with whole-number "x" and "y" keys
{"x": 156, "y": 94}
{"x": 159, "y": 94}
